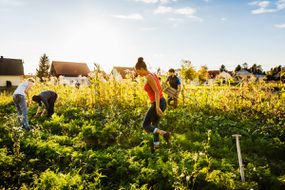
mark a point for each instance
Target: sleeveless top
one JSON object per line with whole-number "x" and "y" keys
{"x": 21, "y": 88}
{"x": 149, "y": 90}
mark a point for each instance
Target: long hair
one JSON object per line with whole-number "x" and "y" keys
{"x": 141, "y": 64}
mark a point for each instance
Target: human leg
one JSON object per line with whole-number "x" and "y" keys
{"x": 51, "y": 105}
{"x": 24, "y": 110}
{"x": 16, "y": 100}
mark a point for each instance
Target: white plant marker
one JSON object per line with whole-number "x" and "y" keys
{"x": 241, "y": 168}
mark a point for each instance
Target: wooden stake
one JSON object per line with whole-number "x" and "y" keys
{"x": 241, "y": 167}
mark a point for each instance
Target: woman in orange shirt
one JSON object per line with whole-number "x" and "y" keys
{"x": 158, "y": 103}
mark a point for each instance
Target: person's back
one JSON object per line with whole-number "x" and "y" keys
{"x": 173, "y": 81}
{"x": 47, "y": 97}
{"x": 21, "y": 88}
{"x": 47, "y": 94}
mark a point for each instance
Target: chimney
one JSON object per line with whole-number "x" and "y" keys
{"x": 1, "y": 57}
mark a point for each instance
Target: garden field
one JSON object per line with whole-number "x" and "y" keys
{"x": 95, "y": 140}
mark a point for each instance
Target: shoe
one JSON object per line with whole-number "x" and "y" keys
{"x": 166, "y": 137}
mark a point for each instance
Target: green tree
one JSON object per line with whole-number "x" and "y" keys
{"x": 245, "y": 66}
{"x": 238, "y": 68}
{"x": 187, "y": 70}
{"x": 44, "y": 65}
{"x": 203, "y": 74}
{"x": 223, "y": 68}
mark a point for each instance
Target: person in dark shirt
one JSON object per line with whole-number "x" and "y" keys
{"x": 48, "y": 98}
{"x": 175, "y": 83}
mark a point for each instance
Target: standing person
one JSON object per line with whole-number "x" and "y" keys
{"x": 175, "y": 83}
{"x": 47, "y": 97}
{"x": 19, "y": 98}
{"x": 158, "y": 103}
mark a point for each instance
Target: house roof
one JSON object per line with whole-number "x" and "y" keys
{"x": 124, "y": 71}
{"x": 213, "y": 73}
{"x": 11, "y": 66}
{"x": 243, "y": 72}
{"x": 224, "y": 75}
{"x": 71, "y": 69}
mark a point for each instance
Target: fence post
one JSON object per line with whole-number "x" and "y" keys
{"x": 241, "y": 168}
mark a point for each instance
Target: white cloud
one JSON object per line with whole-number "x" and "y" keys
{"x": 163, "y": 10}
{"x": 134, "y": 16}
{"x": 262, "y": 11}
{"x": 156, "y": 1}
{"x": 263, "y": 6}
{"x": 185, "y": 11}
{"x": 280, "y": 25}
{"x": 280, "y": 4}
{"x": 149, "y": 1}
{"x": 149, "y": 28}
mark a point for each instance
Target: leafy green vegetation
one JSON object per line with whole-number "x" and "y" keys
{"x": 95, "y": 140}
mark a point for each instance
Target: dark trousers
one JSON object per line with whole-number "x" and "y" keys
{"x": 151, "y": 119}
{"x": 50, "y": 108}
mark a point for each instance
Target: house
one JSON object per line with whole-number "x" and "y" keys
{"x": 224, "y": 78}
{"x": 120, "y": 73}
{"x": 244, "y": 74}
{"x": 11, "y": 72}
{"x": 70, "y": 73}
{"x": 213, "y": 73}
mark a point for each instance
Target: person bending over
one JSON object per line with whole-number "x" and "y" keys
{"x": 48, "y": 98}
{"x": 19, "y": 98}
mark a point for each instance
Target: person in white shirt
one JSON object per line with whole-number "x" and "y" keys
{"x": 19, "y": 98}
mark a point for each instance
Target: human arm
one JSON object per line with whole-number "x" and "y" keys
{"x": 27, "y": 92}
{"x": 153, "y": 85}
{"x": 167, "y": 81}
{"x": 179, "y": 89}
{"x": 38, "y": 111}
{"x": 178, "y": 85}
{"x": 44, "y": 111}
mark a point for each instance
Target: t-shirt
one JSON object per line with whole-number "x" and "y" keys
{"x": 173, "y": 81}
{"x": 21, "y": 88}
{"x": 149, "y": 90}
{"x": 45, "y": 96}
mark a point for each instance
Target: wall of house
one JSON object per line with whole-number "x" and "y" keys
{"x": 15, "y": 80}
{"x": 71, "y": 81}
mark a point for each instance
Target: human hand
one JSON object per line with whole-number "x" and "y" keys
{"x": 159, "y": 112}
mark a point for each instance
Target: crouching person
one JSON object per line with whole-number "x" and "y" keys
{"x": 48, "y": 98}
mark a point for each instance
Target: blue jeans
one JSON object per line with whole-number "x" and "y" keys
{"x": 21, "y": 106}
{"x": 151, "y": 120}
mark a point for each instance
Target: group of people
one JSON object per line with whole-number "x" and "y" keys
{"x": 152, "y": 87}
{"x": 20, "y": 95}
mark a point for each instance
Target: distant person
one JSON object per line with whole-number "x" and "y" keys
{"x": 174, "y": 82}
{"x": 48, "y": 98}
{"x": 77, "y": 84}
{"x": 158, "y": 103}
{"x": 19, "y": 97}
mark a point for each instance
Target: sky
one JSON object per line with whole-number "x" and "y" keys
{"x": 163, "y": 32}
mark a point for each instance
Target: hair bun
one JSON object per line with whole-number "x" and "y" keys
{"x": 140, "y": 59}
